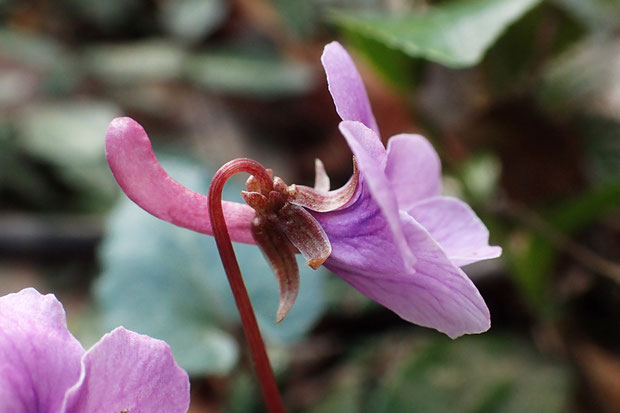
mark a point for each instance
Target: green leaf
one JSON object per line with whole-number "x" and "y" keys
{"x": 39, "y": 51}
{"x": 300, "y": 17}
{"x": 144, "y": 61}
{"x": 602, "y": 137}
{"x": 582, "y": 210}
{"x": 169, "y": 283}
{"x": 65, "y": 133}
{"x": 512, "y": 65}
{"x": 36, "y": 62}
{"x": 110, "y": 14}
{"x": 456, "y": 34}
{"x": 531, "y": 260}
{"x": 191, "y": 20}
{"x": 16, "y": 174}
{"x": 243, "y": 74}
{"x": 394, "y": 65}
{"x": 70, "y": 137}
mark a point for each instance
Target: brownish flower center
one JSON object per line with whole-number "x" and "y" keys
{"x": 282, "y": 226}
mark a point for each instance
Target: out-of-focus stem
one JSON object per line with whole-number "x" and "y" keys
{"x": 264, "y": 371}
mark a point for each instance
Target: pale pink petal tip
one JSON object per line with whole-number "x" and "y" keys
{"x": 139, "y": 174}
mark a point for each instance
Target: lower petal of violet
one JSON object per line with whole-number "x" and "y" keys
{"x": 434, "y": 293}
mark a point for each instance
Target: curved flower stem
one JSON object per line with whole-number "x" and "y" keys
{"x": 266, "y": 378}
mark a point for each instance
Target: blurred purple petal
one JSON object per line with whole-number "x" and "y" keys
{"x": 39, "y": 358}
{"x": 346, "y": 86}
{"x": 413, "y": 168}
{"x": 455, "y": 226}
{"x": 139, "y": 174}
{"x": 132, "y": 372}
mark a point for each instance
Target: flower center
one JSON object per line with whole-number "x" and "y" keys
{"x": 282, "y": 225}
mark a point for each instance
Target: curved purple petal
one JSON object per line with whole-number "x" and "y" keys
{"x": 139, "y": 174}
{"x": 346, "y": 86}
{"x": 455, "y": 226}
{"x": 434, "y": 293}
{"x": 39, "y": 358}
{"x": 371, "y": 158}
{"x": 126, "y": 371}
{"x": 413, "y": 168}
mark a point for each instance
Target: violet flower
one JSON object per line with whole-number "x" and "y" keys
{"x": 388, "y": 232}
{"x": 44, "y": 369}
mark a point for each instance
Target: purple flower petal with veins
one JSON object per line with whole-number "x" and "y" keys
{"x": 441, "y": 233}
{"x": 433, "y": 292}
{"x": 394, "y": 238}
{"x": 44, "y": 369}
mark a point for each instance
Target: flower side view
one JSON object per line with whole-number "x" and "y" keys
{"x": 388, "y": 232}
{"x": 44, "y": 369}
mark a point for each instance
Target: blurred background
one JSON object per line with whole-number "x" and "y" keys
{"x": 521, "y": 98}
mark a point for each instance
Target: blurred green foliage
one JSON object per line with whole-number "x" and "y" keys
{"x": 239, "y": 73}
{"x": 481, "y": 374}
{"x": 192, "y": 20}
{"x": 456, "y": 34}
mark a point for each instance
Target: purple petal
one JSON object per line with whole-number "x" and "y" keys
{"x": 455, "y": 226}
{"x": 39, "y": 358}
{"x": 132, "y": 372}
{"x": 346, "y": 86}
{"x": 137, "y": 171}
{"x": 361, "y": 238}
{"x": 434, "y": 293}
{"x": 413, "y": 168}
{"x": 371, "y": 158}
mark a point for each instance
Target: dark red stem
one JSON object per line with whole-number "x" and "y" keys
{"x": 266, "y": 378}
